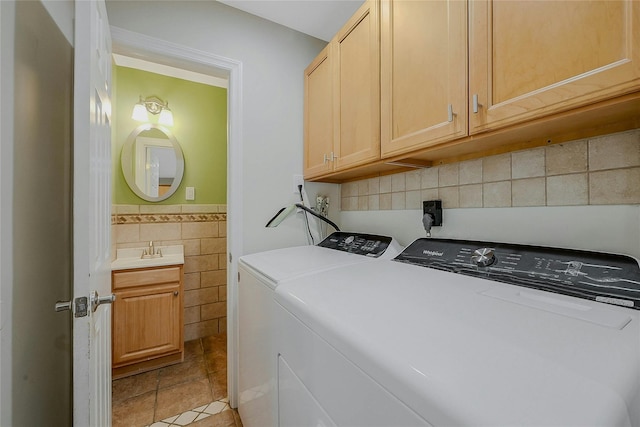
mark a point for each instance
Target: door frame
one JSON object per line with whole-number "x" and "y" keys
{"x": 140, "y": 46}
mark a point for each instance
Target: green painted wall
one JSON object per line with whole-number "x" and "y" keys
{"x": 200, "y": 126}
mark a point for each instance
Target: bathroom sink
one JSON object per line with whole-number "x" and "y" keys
{"x": 133, "y": 257}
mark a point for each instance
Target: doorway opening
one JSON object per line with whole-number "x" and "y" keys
{"x": 224, "y": 225}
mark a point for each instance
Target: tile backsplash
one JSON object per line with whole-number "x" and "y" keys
{"x": 202, "y": 231}
{"x": 597, "y": 171}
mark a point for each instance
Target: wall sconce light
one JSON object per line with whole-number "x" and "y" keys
{"x": 153, "y": 105}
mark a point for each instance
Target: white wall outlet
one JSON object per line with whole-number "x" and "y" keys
{"x": 297, "y": 180}
{"x": 191, "y": 193}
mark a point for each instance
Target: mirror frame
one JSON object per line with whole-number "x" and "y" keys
{"x": 126, "y": 159}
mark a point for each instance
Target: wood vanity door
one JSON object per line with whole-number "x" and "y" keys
{"x": 529, "y": 59}
{"x": 147, "y": 322}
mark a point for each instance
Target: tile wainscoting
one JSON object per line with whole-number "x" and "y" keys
{"x": 596, "y": 171}
{"x": 202, "y": 229}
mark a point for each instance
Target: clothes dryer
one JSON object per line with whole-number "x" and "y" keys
{"x": 259, "y": 275}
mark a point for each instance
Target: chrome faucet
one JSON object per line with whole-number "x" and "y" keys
{"x": 152, "y": 251}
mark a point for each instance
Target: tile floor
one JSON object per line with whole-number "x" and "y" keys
{"x": 192, "y": 393}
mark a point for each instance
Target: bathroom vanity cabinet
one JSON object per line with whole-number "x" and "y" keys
{"x": 147, "y": 319}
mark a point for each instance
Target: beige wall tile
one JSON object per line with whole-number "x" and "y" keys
{"x": 214, "y": 245}
{"x": 620, "y": 186}
{"x": 413, "y": 199}
{"x": 398, "y": 200}
{"x": 363, "y": 187}
{"x": 223, "y": 325}
{"x": 199, "y": 230}
{"x": 127, "y": 233}
{"x": 222, "y": 208}
{"x": 349, "y": 203}
{"x": 567, "y": 190}
{"x": 496, "y": 194}
{"x": 222, "y": 228}
{"x": 222, "y": 261}
{"x": 222, "y": 293}
{"x": 398, "y": 182}
{"x": 450, "y": 197}
{"x": 496, "y": 168}
{"x": 566, "y": 158}
{"x": 413, "y": 180}
{"x": 363, "y": 203}
{"x": 385, "y": 184}
{"x": 191, "y": 247}
{"x": 199, "y": 297}
{"x": 201, "y": 329}
{"x": 191, "y": 281}
{"x": 202, "y": 208}
{"x": 374, "y": 202}
{"x": 615, "y": 151}
{"x": 167, "y": 231}
{"x": 160, "y": 209}
{"x": 430, "y": 194}
{"x": 528, "y": 164}
{"x": 470, "y": 196}
{"x": 191, "y": 315}
{"x": 471, "y": 172}
{"x": 385, "y": 202}
{"x": 193, "y": 264}
{"x": 126, "y": 209}
{"x": 429, "y": 177}
{"x": 349, "y": 189}
{"x": 528, "y": 192}
{"x": 448, "y": 175}
{"x": 374, "y": 185}
{"x": 213, "y": 311}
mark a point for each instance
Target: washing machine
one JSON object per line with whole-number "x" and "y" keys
{"x": 463, "y": 333}
{"x": 259, "y": 275}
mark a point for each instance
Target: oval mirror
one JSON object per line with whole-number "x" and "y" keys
{"x": 152, "y": 162}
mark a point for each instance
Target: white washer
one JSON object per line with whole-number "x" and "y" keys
{"x": 260, "y": 274}
{"x": 397, "y": 344}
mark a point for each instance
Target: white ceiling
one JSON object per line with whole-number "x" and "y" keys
{"x": 318, "y": 18}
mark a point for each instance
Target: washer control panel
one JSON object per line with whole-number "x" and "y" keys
{"x": 370, "y": 245}
{"x": 603, "y": 277}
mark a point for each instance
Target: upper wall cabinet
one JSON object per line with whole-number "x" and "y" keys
{"x": 342, "y": 101}
{"x": 318, "y": 115}
{"x": 528, "y": 59}
{"x": 423, "y": 73}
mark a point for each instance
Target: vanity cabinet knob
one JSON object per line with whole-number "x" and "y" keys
{"x": 175, "y": 293}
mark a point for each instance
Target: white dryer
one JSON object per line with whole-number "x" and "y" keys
{"x": 259, "y": 275}
{"x": 463, "y": 333}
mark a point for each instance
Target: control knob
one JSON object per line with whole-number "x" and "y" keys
{"x": 483, "y": 257}
{"x": 349, "y": 240}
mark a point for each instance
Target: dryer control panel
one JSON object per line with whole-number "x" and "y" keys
{"x": 370, "y": 245}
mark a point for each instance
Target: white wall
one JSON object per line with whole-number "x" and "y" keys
{"x": 273, "y": 60}
{"x": 611, "y": 228}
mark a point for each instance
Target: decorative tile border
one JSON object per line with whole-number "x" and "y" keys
{"x": 165, "y": 218}
{"x": 194, "y": 415}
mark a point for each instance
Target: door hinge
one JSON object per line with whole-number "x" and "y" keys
{"x": 238, "y": 277}
{"x": 230, "y": 258}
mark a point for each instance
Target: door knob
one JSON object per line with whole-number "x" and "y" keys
{"x": 96, "y": 300}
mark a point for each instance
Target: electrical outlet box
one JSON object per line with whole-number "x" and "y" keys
{"x": 433, "y": 208}
{"x": 297, "y": 180}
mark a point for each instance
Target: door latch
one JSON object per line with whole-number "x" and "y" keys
{"x": 78, "y": 306}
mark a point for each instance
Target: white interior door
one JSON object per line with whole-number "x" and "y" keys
{"x": 92, "y": 214}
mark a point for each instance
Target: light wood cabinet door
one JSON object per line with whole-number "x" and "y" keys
{"x": 529, "y": 59}
{"x": 147, "y": 323}
{"x": 423, "y": 73}
{"x": 318, "y": 115}
{"x": 357, "y": 89}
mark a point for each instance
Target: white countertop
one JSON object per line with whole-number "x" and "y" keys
{"x": 130, "y": 258}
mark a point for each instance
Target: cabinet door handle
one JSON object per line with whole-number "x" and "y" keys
{"x": 450, "y": 112}
{"x": 333, "y": 157}
{"x": 175, "y": 293}
{"x": 326, "y": 159}
{"x": 475, "y": 103}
